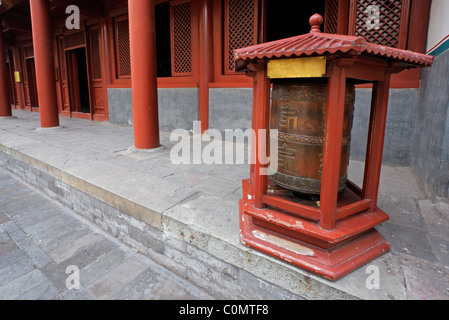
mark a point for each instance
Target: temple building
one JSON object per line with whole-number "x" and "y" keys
{"x": 178, "y": 58}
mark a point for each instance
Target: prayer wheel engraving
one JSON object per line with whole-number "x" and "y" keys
{"x": 298, "y": 112}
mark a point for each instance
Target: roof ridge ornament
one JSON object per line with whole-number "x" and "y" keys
{"x": 315, "y": 22}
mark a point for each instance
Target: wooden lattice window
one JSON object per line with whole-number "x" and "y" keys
{"x": 240, "y": 29}
{"x": 181, "y": 38}
{"x": 331, "y": 16}
{"x": 122, "y": 52}
{"x": 95, "y": 53}
{"x": 28, "y": 52}
{"x": 383, "y": 22}
{"x": 75, "y": 40}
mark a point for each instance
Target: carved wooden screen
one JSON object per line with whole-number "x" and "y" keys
{"x": 63, "y": 76}
{"x": 96, "y": 74}
{"x": 8, "y": 74}
{"x": 181, "y": 38}
{"x": 331, "y": 16}
{"x": 95, "y": 53}
{"x": 122, "y": 51}
{"x": 381, "y": 22}
{"x": 75, "y": 40}
{"x": 15, "y": 63}
{"x": 240, "y": 29}
{"x": 29, "y": 77}
{"x": 28, "y": 52}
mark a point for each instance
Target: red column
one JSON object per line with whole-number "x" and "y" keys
{"x": 45, "y": 69}
{"x": 375, "y": 143}
{"x": 105, "y": 55}
{"x": 332, "y": 147}
{"x": 262, "y": 115}
{"x": 5, "y": 102}
{"x": 253, "y": 155}
{"x": 142, "y": 36}
{"x": 20, "y": 91}
{"x": 206, "y": 61}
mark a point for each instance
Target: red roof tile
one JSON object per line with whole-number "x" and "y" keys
{"x": 316, "y": 43}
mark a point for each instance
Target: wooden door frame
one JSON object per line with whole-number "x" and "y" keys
{"x": 97, "y": 84}
{"x": 31, "y": 83}
{"x": 11, "y": 84}
{"x": 73, "y": 83}
{"x": 62, "y": 77}
{"x": 67, "y": 67}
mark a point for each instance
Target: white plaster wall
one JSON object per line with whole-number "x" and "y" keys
{"x": 438, "y": 23}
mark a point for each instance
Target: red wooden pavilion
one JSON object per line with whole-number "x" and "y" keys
{"x": 338, "y": 235}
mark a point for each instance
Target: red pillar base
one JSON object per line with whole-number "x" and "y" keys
{"x": 330, "y": 254}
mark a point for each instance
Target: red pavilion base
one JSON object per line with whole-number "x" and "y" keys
{"x": 301, "y": 242}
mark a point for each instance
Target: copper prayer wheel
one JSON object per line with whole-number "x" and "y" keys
{"x": 298, "y": 112}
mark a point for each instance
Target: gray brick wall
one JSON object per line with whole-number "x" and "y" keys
{"x": 430, "y": 159}
{"x": 178, "y": 107}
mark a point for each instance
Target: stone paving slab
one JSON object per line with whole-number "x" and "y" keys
{"x": 108, "y": 269}
{"x": 186, "y": 217}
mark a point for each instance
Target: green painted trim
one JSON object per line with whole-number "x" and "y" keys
{"x": 440, "y": 49}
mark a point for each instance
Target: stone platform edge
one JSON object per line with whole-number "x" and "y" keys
{"x": 225, "y": 270}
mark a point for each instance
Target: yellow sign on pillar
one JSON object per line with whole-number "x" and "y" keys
{"x": 17, "y": 76}
{"x": 309, "y": 67}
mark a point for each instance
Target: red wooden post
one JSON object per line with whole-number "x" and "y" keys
{"x": 105, "y": 56}
{"x": 253, "y": 155}
{"x": 142, "y": 36}
{"x": 332, "y": 147}
{"x": 20, "y": 92}
{"x": 376, "y": 134}
{"x": 5, "y": 102}
{"x": 105, "y": 52}
{"x": 205, "y": 60}
{"x": 44, "y": 62}
{"x": 262, "y": 111}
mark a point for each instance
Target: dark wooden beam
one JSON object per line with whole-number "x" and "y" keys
{"x": 8, "y": 4}
{"x": 9, "y": 22}
{"x": 87, "y": 7}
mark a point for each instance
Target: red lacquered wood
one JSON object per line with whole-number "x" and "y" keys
{"x": 206, "y": 60}
{"x": 346, "y": 228}
{"x": 354, "y": 188}
{"x": 44, "y": 62}
{"x": 330, "y": 254}
{"x": 262, "y": 111}
{"x": 353, "y": 208}
{"x": 375, "y": 143}
{"x": 293, "y": 207}
{"x": 144, "y": 74}
{"x": 253, "y": 155}
{"x": 5, "y": 101}
{"x": 343, "y": 238}
{"x": 332, "y": 147}
{"x": 332, "y": 263}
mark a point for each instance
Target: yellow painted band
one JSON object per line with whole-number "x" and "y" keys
{"x": 310, "y": 67}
